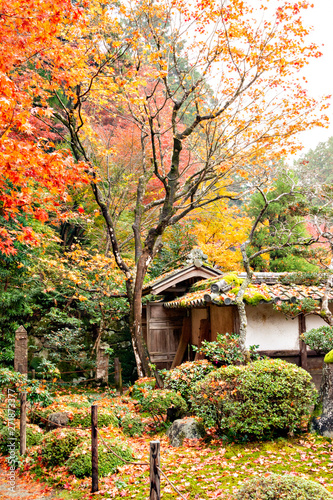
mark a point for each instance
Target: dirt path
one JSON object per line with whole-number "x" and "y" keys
{"x": 22, "y": 489}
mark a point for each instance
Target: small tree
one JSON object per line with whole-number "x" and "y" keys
{"x": 287, "y": 236}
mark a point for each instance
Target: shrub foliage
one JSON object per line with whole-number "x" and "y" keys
{"x": 157, "y": 403}
{"x": 132, "y": 425}
{"x": 261, "y": 400}
{"x": 58, "y": 445}
{"x": 182, "y": 378}
{"x": 275, "y": 487}
{"x": 79, "y": 463}
{"x": 319, "y": 339}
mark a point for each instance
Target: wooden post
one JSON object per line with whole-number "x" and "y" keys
{"x": 23, "y": 423}
{"x": 117, "y": 375}
{"x": 33, "y": 374}
{"x": 21, "y": 351}
{"x": 302, "y": 346}
{"x": 155, "y": 492}
{"x": 94, "y": 449}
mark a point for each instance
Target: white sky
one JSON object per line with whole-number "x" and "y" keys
{"x": 319, "y": 72}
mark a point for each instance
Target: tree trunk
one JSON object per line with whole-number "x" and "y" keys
{"x": 325, "y": 312}
{"x": 135, "y": 318}
{"x": 240, "y": 299}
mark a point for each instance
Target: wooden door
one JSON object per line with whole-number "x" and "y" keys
{"x": 164, "y": 328}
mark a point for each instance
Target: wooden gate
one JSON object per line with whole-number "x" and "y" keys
{"x": 162, "y": 330}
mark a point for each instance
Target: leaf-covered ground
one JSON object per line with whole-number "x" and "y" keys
{"x": 200, "y": 470}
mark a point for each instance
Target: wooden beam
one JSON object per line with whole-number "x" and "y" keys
{"x": 204, "y": 334}
{"x": 183, "y": 342}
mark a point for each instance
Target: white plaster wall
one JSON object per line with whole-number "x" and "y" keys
{"x": 270, "y": 329}
{"x": 313, "y": 321}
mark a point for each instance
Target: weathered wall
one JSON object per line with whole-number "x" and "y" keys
{"x": 270, "y": 329}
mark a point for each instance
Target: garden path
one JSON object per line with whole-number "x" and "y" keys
{"x": 24, "y": 489}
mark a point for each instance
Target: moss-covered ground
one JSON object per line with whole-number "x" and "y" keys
{"x": 200, "y": 470}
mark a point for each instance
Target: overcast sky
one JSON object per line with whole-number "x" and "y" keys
{"x": 320, "y": 71}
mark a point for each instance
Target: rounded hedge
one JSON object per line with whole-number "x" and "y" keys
{"x": 141, "y": 386}
{"x": 58, "y": 444}
{"x": 159, "y": 401}
{"x": 81, "y": 417}
{"x": 79, "y": 462}
{"x": 319, "y": 339}
{"x": 275, "y": 487}
{"x": 8, "y": 435}
{"x": 132, "y": 425}
{"x": 182, "y": 378}
{"x": 260, "y": 400}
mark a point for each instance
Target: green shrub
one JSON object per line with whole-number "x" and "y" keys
{"x": 82, "y": 418}
{"x": 226, "y": 350}
{"x": 275, "y": 487}
{"x": 182, "y": 378}
{"x": 261, "y": 400}
{"x": 132, "y": 425}
{"x": 319, "y": 339}
{"x": 157, "y": 403}
{"x": 329, "y": 357}
{"x": 79, "y": 463}
{"x": 37, "y": 391}
{"x": 58, "y": 444}
{"x": 141, "y": 386}
{"x": 7, "y": 436}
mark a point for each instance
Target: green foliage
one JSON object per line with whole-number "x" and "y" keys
{"x": 158, "y": 401}
{"x": 316, "y": 166}
{"x": 79, "y": 462}
{"x": 141, "y": 386}
{"x": 304, "y": 306}
{"x": 58, "y": 444}
{"x": 225, "y": 350}
{"x": 37, "y": 392}
{"x": 132, "y": 425}
{"x": 329, "y": 357}
{"x": 82, "y": 418}
{"x": 275, "y": 487}
{"x": 283, "y": 221}
{"x": 319, "y": 339}
{"x": 178, "y": 241}
{"x": 260, "y": 400}
{"x": 12, "y": 435}
{"x": 182, "y": 378}
{"x": 9, "y": 378}
{"x": 305, "y": 278}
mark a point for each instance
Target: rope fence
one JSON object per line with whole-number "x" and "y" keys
{"x": 155, "y": 470}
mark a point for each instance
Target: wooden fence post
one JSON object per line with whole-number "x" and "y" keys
{"x": 155, "y": 492}
{"x": 118, "y": 376}
{"x": 94, "y": 449}
{"x": 33, "y": 374}
{"x": 23, "y": 423}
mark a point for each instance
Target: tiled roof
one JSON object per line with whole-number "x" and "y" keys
{"x": 274, "y": 292}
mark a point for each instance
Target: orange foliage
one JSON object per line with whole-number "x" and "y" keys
{"x": 34, "y": 177}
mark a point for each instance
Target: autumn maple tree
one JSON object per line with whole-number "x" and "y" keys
{"x": 197, "y": 92}
{"x": 34, "y": 175}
